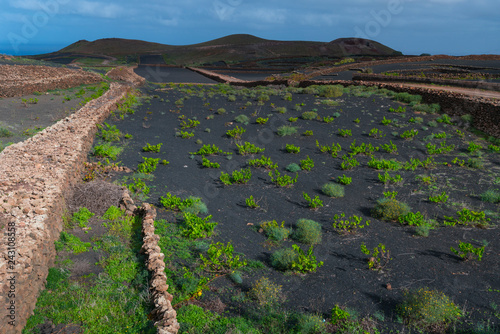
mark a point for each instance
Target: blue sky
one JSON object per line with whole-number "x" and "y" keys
{"x": 455, "y": 27}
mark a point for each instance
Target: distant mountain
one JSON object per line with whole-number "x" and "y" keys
{"x": 232, "y": 48}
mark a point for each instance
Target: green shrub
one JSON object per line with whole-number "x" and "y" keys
{"x": 344, "y": 180}
{"x": 148, "y": 166}
{"x": 197, "y": 206}
{"x": 152, "y": 148}
{"x": 265, "y": 292}
{"x": 109, "y": 133}
{"x": 407, "y": 98}
{"x": 331, "y": 91}
{"x": 81, "y": 217}
{"x": 107, "y": 150}
{"x": 221, "y": 259}
{"x": 309, "y": 115}
{"x": 307, "y": 231}
{"x": 248, "y": 148}
{"x": 307, "y": 164}
{"x": 286, "y": 130}
{"x": 295, "y": 259}
{"x": 275, "y": 231}
{"x": 194, "y": 227}
{"x": 71, "y": 243}
{"x": 333, "y": 190}
{"x": 467, "y": 252}
{"x": 293, "y": 167}
{"x": 390, "y": 209}
{"x": 290, "y": 148}
{"x": 428, "y": 310}
{"x": 4, "y": 132}
{"x": 243, "y": 119}
{"x": 491, "y": 196}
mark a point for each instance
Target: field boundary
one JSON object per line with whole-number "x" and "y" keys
{"x": 37, "y": 175}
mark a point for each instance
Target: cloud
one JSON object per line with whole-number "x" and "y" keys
{"x": 318, "y": 20}
{"x": 265, "y": 15}
{"x": 168, "y": 22}
{"x": 97, "y": 9}
{"x": 25, "y": 4}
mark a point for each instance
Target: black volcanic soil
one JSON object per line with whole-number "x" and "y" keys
{"x": 163, "y": 74}
{"x": 345, "y": 278}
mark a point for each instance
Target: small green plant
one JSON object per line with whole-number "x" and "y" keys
{"x": 357, "y": 121}
{"x": 379, "y": 256}
{"x": 290, "y": 148}
{"x": 295, "y": 259}
{"x": 382, "y": 164}
{"x": 185, "y": 134}
{"x": 416, "y": 120}
{"x": 385, "y": 121}
{"x": 386, "y": 178}
{"x": 293, "y": 119}
{"x": 267, "y": 163}
{"x": 439, "y": 198}
{"x": 194, "y": 227}
{"x": 345, "y": 132}
{"x": 376, "y": 133}
{"x": 400, "y": 109}
{"x": 444, "y": 119}
{"x": 236, "y": 133}
{"x": 282, "y": 181}
{"x": 109, "y": 133}
{"x": 339, "y": 316}
{"x": 409, "y": 134}
{"x": 313, "y": 203}
{"x": 208, "y": 164}
{"x": 349, "y": 163}
{"x": 390, "y": 148}
{"x": 333, "y": 150}
{"x": 442, "y": 149}
{"x": 107, "y": 151}
{"x": 189, "y": 124}
{"x": 286, "y": 130}
{"x": 71, "y": 243}
{"x": 390, "y": 209}
{"x": 428, "y": 310}
{"x": 81, "y": 217}
{"x": 221, "y": 260}
{"x": 390, "y": 194}
{"x": 138, "y": 186}
{"x": 362, "y": 148}
{"x": 251, "y": 203}
{"x": 473, "y": 147}
{"x": 4, "y": 132}
{"x": 412, "y": 219}
{"x": 467, "y": 252}
{"x": 261, "y": 120}
{"x": 248, "y": 148}
{"x": 333, "y": 190}
{"x": 152, "y": 148}
{"x": 307, "y": 231}
{"x": 468, "y": 217}
{"x": 241, "y": 177}
{"x": 307, "y": 164}
{"x": 275, "y": 231}
{"x": 209, "y": 150}
{"x": 328, "y": 119}
{"x": 494, "y": 148}
{"x": 308, "y": 133}
{"x": 148, "y": 166}
{"x": 221, "y": 111}
{"x": 344, "y": 180}
{"x": 349, "y": 225}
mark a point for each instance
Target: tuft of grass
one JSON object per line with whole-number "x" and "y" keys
{"x": 286, "y": 130}
{"x": 389, "y": 209}
{"x": 333, "y": 190}
{"x": 429, "y": 310}
{"x": 307, "y": 231}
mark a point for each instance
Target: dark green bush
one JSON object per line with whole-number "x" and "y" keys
{"x": 331, "y": 91}
{"x": 293, "y": 167}
{"x": 284, "y": 258}
{"x": 333, "y": 190}
{"x": 389, "y": 209}
{"x": 286, "y": 130}
{"x": 307, "y": 231}
{"x": 491, "y": 196}
{"x": 309, "y": 115}
{"x": 243, "y": 119}
{"x": 407, "y": 98}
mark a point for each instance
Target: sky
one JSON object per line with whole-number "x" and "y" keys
{"x": 453, "y": 27}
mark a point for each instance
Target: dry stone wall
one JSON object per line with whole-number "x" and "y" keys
{"x": 20, "y": 80}
{"x": 35, "y": 176}
{"x": 164, "y": 315}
